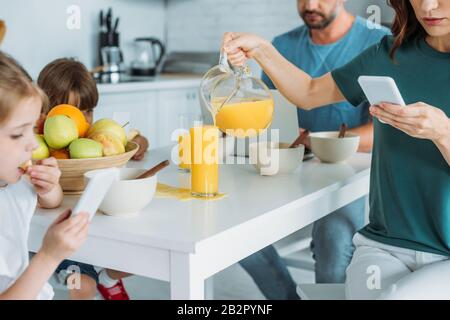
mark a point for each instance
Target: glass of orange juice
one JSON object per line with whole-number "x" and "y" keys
{"x": 204, "y": 161}
{"x": 187, "y": 121}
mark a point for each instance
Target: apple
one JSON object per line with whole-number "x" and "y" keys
{"x": 108, "y": 125}
{"x": 111, "y": 143}
{"x": 41, "y": 152}
{"x": 85, "y": 148}
{"x": 59, "y": 131}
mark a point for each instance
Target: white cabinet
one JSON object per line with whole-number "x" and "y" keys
{"x": 171, "y": 104}
{"x": 155, "y": 113}
{"x": 138, "y": 108}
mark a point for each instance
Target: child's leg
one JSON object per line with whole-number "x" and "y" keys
{"x": 116, "y": 275}
{"x": 87, "y": 289}
{"x": 81, "y": 279}
{"x": 429, "y": 282}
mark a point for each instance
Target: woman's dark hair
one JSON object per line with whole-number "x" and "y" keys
{"x": 406, "y": 25}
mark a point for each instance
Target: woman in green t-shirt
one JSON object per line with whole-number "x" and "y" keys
{"x": 404, "y": 251}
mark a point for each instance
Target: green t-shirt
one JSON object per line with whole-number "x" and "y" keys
{"x": 410, "y": 179}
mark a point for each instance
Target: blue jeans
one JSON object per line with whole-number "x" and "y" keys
{"x": 332, "y": 249}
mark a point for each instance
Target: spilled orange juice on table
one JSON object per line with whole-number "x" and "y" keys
{"x": 246, "y": 118}
{"x": 204, "y": 161}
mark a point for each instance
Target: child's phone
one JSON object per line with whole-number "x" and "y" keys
{"x": 381, "y": 89}
{"x": 95, "y": 191}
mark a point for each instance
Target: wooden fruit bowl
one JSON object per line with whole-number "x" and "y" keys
{"x": 72, "y": 170}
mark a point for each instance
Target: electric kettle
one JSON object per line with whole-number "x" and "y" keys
{"x": 149, "y": 54}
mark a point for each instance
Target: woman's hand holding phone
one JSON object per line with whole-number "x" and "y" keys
{"x": 419, "y": 120}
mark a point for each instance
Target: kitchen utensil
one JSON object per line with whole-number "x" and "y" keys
{"x": 116, "y": 25}
{"x": 149, "y": 54}
{"x": 239, "y": 104}
{"x": 112, "y": 58}
{"x": 342, "y": 131}
{"x": 154, "y": 170}
{"x": 299, "y": 140}
{"x": 102, "y": 21}
{"x": 109, "y": 20}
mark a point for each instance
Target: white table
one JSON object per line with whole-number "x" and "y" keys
{"x": 188, "y": 242}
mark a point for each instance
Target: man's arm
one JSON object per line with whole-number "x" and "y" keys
{"x": 366, "y": 133}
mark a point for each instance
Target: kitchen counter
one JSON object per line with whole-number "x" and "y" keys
{"x": 186, "y": 242}
{"x": 161, "y": 82}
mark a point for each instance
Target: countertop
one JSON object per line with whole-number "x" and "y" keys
{"x": 160, "y": 82}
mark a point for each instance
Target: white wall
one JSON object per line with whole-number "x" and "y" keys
{"x": 199, "y": 24}
{"x": 37, "y": 31}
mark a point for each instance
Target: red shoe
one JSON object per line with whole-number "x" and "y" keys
{"x": 116, "y": 292}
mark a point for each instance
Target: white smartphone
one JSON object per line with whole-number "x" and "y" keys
{"x": 95, "y": 191}
{"x": 380, "y": 89}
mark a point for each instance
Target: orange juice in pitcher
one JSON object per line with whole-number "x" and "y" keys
{"x": 240, "y": 105}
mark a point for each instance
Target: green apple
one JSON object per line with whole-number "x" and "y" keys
{"x": 41, "y": 152}
{"x": 108, "y": 125}
{"x": 85, "y": 148}
{"x": 60, "y": 131}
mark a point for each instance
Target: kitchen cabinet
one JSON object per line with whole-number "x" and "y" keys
{"x": 138, "y": 108}
{"x": 154, "y": 112}
{"x": 171, "y": 104}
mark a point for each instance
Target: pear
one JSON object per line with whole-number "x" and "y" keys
{"x": 108, "y": 125}
{"x": 112, "y": 144}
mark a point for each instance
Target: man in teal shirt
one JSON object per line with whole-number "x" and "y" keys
{"x": 330, "y": 38}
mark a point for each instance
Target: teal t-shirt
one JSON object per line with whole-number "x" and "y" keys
{"x": 410, "y": 179}
{"x": 317, "y": 60}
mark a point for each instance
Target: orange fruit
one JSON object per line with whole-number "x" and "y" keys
{"x": 73, "y": 113}
{"x": 59, "y": 154}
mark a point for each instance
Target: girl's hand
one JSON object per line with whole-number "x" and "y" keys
{"x": 240, "y": 47}
{"x": 143, "y": 147}
{"x": 45, "y": 175}
{"x": 419, "y": 120}
{"x": 65, "y": 235}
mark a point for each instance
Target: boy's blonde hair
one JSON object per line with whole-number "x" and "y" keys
{"x": 64, "y": 77}
{"x": 15, "y": 85}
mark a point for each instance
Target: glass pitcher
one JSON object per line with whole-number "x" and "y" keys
{"x": 240, "y": 105}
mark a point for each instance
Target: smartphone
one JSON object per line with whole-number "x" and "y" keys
{"x": 380, "y": 89}
{"x": 95, "y": 191}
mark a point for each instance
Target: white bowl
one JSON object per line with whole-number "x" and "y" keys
{"x": 127, "y": 196}
{"x": 329, "y": 148}
{"x": 271, "y": 158}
